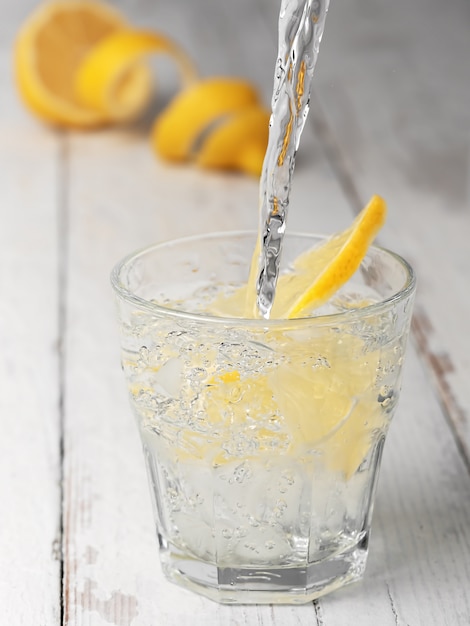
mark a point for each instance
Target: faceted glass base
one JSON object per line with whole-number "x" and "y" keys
{"x": 264, "y": 585}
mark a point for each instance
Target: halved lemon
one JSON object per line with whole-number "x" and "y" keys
{"x": 78, "y": 64}
{"x": 49, "y": 49}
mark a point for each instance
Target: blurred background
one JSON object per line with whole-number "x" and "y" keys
{"x": 391, "y": 85}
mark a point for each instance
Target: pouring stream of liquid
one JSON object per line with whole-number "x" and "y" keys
{"x": 301, "y": 24}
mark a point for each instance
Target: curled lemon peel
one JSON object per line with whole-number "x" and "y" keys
{"x": 238, "y": 142}
{"x": 194, "y": 111}
{"x": 106, "y": 79}
{"x": 79, "y": 64}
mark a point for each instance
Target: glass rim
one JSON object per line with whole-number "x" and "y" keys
{"x": 324, "y": 319}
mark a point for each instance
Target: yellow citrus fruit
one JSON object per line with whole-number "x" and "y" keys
{"x": 316, "y": 275}
{"x": 320, "y": 272}
{"x": 194, "y": 111}
{"x": 321, "y": 395}
{"x": 78, "y": 64}
{"x": 329, "y": 402}
{"x": 109, "y": 79}
{"x": 238, "y": 142}
{"x": 333, "y": 407}
{"x": 49, "y": 49}
{"x": 292, "y": 408}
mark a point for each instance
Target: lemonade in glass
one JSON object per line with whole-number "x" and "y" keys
{"x": 262, "y": 438}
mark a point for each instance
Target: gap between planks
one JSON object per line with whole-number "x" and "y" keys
{"x": 62, "y": 277}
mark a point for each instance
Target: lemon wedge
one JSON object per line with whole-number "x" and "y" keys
{"x": 329, "y": 405}
{"x": 320, "y": 272}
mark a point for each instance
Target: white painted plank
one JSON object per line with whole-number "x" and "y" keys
{"x": 29, "y": 368}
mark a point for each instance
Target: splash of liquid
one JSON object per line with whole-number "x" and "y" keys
{"x": 301, "y": 24}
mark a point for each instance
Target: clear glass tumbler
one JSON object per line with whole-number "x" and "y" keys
{"x": 262, "y": 439}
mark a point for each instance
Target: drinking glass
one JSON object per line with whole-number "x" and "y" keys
{"x": 262, "y": 438}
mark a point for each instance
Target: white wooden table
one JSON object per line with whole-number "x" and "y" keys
{"x": 390, "y": 115}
